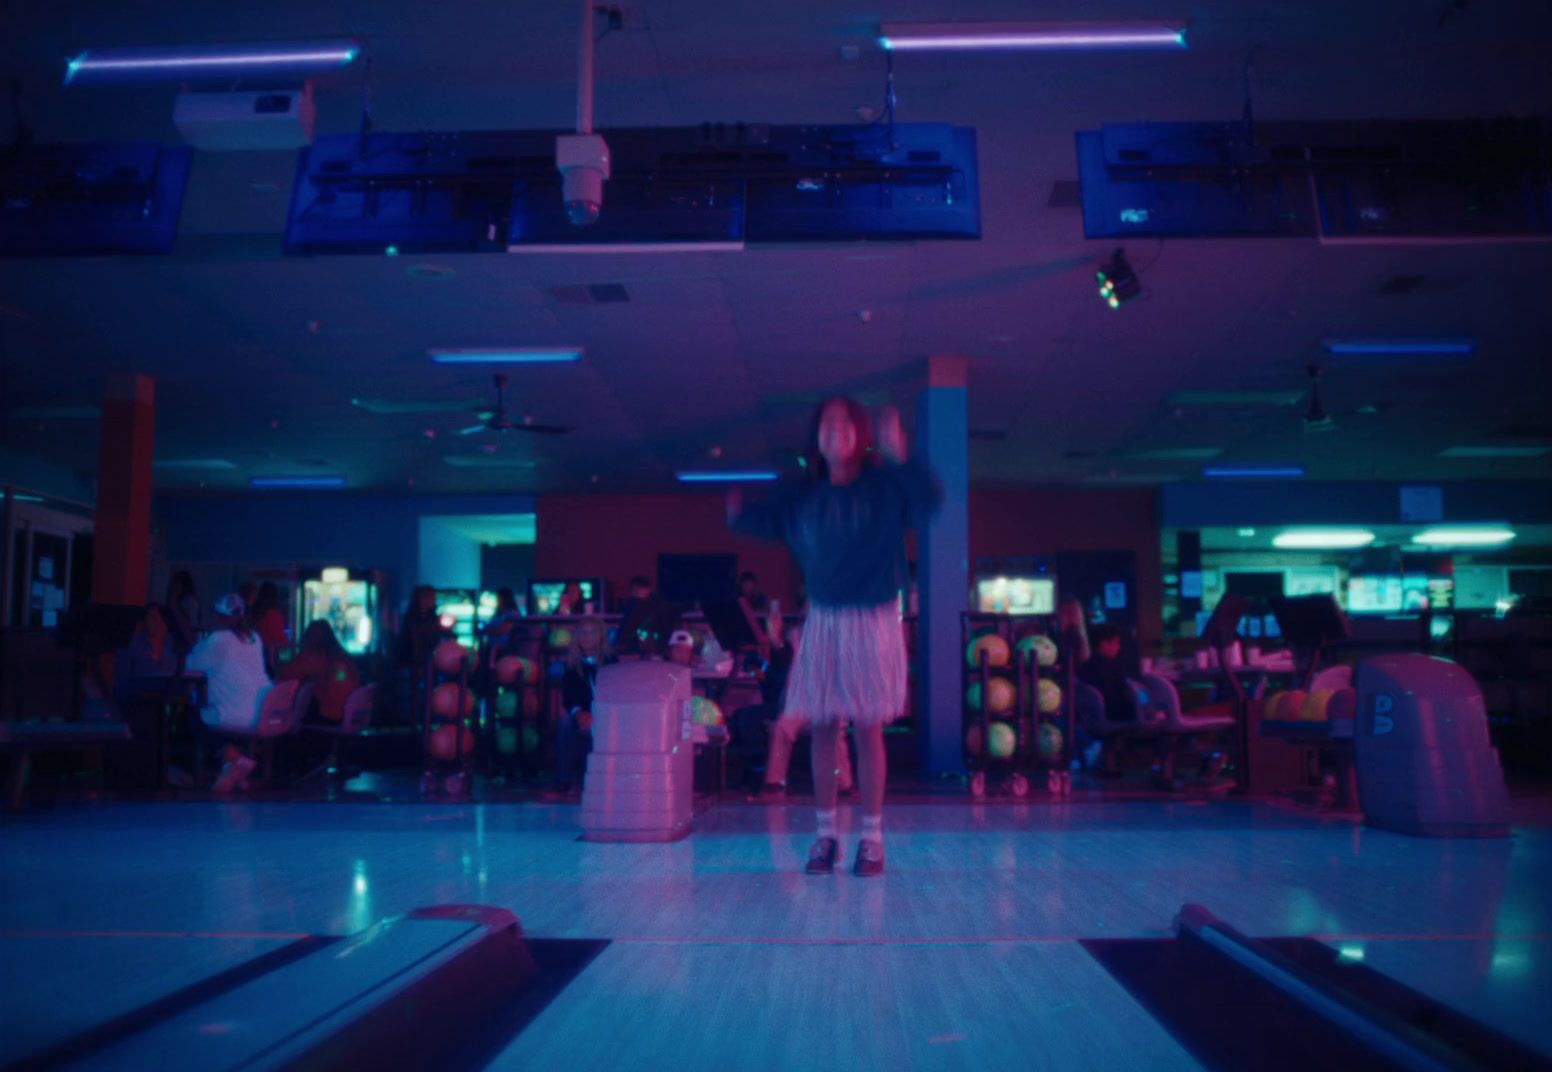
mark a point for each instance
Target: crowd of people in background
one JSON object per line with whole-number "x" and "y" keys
{"x": 243, "y": 647}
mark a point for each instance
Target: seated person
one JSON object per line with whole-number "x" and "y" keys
{"x": 232, "y": 660}
{"x": 420, "y": 631}
{"x": 635, "y": 610}
{"x": 150, "y": 653}
{"x": 323, "y": 663}
{"x": 570, "y": 601}
{"x": 1104, "y": 671}
{"x": 574, "y": 734}
{"x": 753, "y": 603}
{"x": 681, "y": 647}
{"x": 269, "y": 622}
{"x": 785, "y": 730}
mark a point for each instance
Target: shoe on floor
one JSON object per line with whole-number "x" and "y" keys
{"x": 233, "y": 775}
{"x": 821, "y": 858}
{"x": 870, "y": 858}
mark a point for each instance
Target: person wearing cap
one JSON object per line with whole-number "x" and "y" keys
{"x": 681, "y": 647}
{"x": 232, "y": 660}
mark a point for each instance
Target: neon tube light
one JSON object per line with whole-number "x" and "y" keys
{"x": 1377, "y": 347}
{"x": 297, "y": 482}
{"x": 974, "y": 36}
{"x": 1286, "y": 472}
{"x": 688, "y": 476}
{"x": 103, "y": 65}
{"x": 1464, "y": 537}
{"x": 1322, "y": 539}
{"x": 508, "y": 355}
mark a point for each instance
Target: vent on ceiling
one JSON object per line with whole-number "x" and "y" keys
{"x": 590, "y": 294}
{"x": 1065, "y": 193}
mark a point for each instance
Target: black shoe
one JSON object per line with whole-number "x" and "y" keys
{"x": 821, "y": 858}
{"x": 870, "y": 858}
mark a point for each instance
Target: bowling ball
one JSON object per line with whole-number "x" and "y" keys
{"x": 996, "y": 648}
{"x": 530, "y": 739}
{"x": 448, "y": 657}
{"x": 1000, "y": 696}
{"x": 1002, "y": 739}
{"x": 506, "y": 704}
{"x": 1314, "y": 707}
{"x": 1269, "y": 705}
{"x": 560, "y": 638}
{"x": 1041, "y": 646}
{"x": 1289, "y": 705}
{"x": 444, "y": 701}
{"x": 1050, "y": 741}
{"x": 506, "y": 739}
{"x": 444, "y": 743}
{"x": 1049, "y": 695}
{"x": 585, "y": 721}
{"x": 512, "y": 669}
{"x": 530, "y": 703}
{"x": 705, "y": 712}
{"x": 1001, "y": 736}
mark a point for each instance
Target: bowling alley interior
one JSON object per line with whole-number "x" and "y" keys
{"x": 715, "y": 535}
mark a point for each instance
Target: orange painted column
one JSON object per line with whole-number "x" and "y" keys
{"x": 121, "y": 566}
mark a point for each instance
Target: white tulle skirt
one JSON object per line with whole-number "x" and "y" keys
{"x": 850, "y": 667}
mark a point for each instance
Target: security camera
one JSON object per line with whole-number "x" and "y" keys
{"x": 583, "y": 160}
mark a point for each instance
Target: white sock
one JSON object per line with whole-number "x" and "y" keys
{"x": 873, "y": 828}
{"x": 826, "y": 822}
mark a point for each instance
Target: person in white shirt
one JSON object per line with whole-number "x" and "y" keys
{"x": 232, "y": 660}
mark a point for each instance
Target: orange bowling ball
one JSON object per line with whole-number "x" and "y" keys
{"x": 448, "y": 657}
{"x": 444, "y": 701}
{"x": 444, "y": 742}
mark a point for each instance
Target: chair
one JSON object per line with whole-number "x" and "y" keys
{"x": 280, "y": 713}
{"x": 354, "y": 721}
{"x": 1181, "y": 733}
{"x": 1089, "y": 709}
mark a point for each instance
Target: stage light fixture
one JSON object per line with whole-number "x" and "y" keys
{"x": 1118, "y": 283}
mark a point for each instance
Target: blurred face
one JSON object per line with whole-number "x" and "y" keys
{"x": 641, "y": 591}
{"x": 683, "y": 654}
{"x": 837, "y": 436}
{"x": 746, "y": 587}
{"x": 425, "y": 601}
{"x": 590, "y": 637}
{"x": 1110, "y": 647}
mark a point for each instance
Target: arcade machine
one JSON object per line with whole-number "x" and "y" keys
{"x": 464, "y": 612}
{"x": 348, "y": 600}
{"x": 544, "y": 595}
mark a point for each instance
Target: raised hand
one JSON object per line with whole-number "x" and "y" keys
{"x": 891, "y": 437}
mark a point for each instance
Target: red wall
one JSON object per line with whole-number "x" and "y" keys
{"x": 1044, "y": 520}
{"x": 619, "y": 536}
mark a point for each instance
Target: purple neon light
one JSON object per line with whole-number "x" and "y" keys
{"x": 901, "y": 37}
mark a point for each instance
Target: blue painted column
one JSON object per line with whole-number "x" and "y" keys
{"x": 943, "y": 567}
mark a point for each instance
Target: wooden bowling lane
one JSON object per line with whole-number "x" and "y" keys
{"x": 63, "y": 985}
{"x": 901, "y": 1005}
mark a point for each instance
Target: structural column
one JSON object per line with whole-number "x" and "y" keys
{"x": 943, "y": 567}
{"x": 121, "y": 559}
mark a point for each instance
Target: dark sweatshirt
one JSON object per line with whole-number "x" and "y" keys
{"x": 849, "y": 540}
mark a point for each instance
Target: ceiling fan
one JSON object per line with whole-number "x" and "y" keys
{"x": 1316, "y": 419}
{"x": 495, "y": 419}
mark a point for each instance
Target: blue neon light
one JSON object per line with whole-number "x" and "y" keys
{"x": 687, "y": 476}
{"x": 215, "y": 60}
{"x": 1275, "y": 472}
{"x": 297, "y": 482}
{"x": 519, "y": 355}
{"x": 1361, "y": 347}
